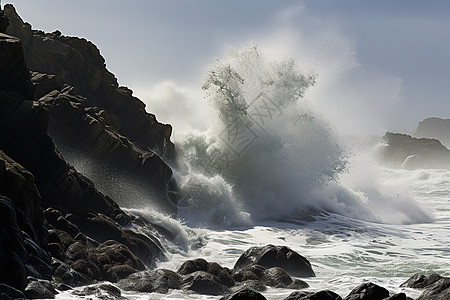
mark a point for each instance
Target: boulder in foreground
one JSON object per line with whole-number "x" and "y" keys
{"x": 276, "y": 256}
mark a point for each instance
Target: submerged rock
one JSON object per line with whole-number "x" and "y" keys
{"x": 276, "y": 256}
{"x": 204, "y": 283}
{"x": 244, "y": 294}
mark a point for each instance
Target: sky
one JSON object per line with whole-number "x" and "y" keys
{"x": 382, "y": 65}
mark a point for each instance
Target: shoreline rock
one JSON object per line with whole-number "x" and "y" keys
{"x": 404, "y": 151}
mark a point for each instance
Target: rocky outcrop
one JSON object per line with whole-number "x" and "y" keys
{"x": 368, "y": 291}
{"x": 4, "y": 22}
{"x": 92, "y": 116}
{"x": 404, "y": 151}
{"x": 435, "y": 128}
{"x": 321, "y": 295}
{"x": 435, "y": 286}
{"x": 79, "y": 222}
{"x": 78, "y": 62}
{"x": 276, "y": 256}
{"x": 437, "y": 291}
{"x": 420, "y": 281}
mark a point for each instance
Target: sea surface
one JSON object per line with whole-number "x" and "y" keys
{"x": 271, "y": 170}
{"x": 343, "y": 251}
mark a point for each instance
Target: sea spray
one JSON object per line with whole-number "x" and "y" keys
{"x": 267, "y": 150}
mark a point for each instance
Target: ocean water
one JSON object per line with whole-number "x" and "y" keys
{"x": 270, "y": 169}
{"x": 343, "y": 251}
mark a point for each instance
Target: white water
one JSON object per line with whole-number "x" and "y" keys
{"x": 343, "y": 251}
{"x": 287, "y": 178}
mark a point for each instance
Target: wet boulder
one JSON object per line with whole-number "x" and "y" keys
{"x": 244, "y": 294}
{"x": 37, "y": 289}
{"x": 159, "y": 281}
{"x": 321, "y": 295}
{"x": 437, "y": 291}
{"x": 368, "y": 291}
{"x": 279, "y": 278}
{"x": 204, "y": 283}
{"x": 276, "y": 256}
{"x": 200, "y": 264}
{"x": 420, "y": 281}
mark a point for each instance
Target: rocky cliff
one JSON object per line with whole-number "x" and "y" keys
{"x": 94, "y": 121}
{"x": 404, "y": 151}
{"x": 55, "y": 224}
{"x": 435, "y": 128}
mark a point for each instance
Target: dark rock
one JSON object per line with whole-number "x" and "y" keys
{"x": 440, "y": 290}
{"x": 14, "y": 75}
{"x": 321, "y": 295}
{"x": 43, "y": 269}
{"x": 244, "y": 294}
{"x": 57, "y": 251}
{"x": 19, "y": 186}
{"x": 98, "y": 289}
{"x": 88, "y": 268}
{"x": 404, "y": 151}
{"x": 200, "y": 264}
{"x": 108, "y": 123}
{"x": 298, "y": 295}
{"x": 279, "y": 278}
{"x": 24, "y": 138}
{"x": 159, "y": 281}
{"x": 37, "y": 290}
{"x": 63, "y": 273}
{"x": 257, "y": 285}
{"x": 420, "y": 281}
{"x": 4, "y": 22}
{"x": 44, "y": 83}
{"x": 276, "y": 256}
{"x": 116, "y": 273}
{"x": 368, "y": 291}
{"x": 252, "y": 272}
{"x": 192, "y": 266}
{"x": 13, "y": 255}
{"x": 7, "y": 292}
{"x": 204, "y": 283}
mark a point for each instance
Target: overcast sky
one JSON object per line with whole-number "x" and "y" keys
{"x": 382, "y": 65}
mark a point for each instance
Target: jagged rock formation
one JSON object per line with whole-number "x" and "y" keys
{"x": 404, "y": 151}
{"x": 435, "y": 128}
{"x": 92, "y": 116}
{"x": 80, "y": 237}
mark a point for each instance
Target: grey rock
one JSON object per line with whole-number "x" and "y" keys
{"x": 276, "y": 256}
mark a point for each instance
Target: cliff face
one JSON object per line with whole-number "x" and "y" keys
{"x": 435, "y": 128}
{"x": 404, "y": 151}
{"x": 92, "y": 116}
{"x": 55, "y": 224}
